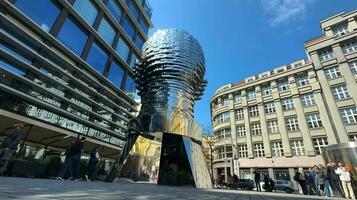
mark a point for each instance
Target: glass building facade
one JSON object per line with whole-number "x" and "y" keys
{"x": 69, "y": 63}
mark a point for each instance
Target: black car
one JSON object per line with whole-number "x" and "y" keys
{"x": 245, "y": 184}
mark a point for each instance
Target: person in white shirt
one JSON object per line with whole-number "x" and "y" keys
{"x": 345, "y": 178}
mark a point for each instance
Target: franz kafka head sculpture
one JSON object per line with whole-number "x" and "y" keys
{"x": 169, "y": 78}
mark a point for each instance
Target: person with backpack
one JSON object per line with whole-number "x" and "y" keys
{"x": 73, "y": 159}
{"x": 9, "y": 146}
{"x": 301, "y": 178}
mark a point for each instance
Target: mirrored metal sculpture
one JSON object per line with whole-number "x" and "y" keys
{"x": 169, "y": 78}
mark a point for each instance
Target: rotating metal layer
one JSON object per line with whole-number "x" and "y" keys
{"x": 169, "y": 79}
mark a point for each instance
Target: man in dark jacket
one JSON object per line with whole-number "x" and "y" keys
{"x": 257, "y": 179}
{"x": 9, "y": 146}
{"x": 73, "y": 159}
{"x": 301, "y": 178}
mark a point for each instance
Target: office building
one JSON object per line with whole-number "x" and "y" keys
{"x": 282, "y": 119}
{"x": 66, "y": 69}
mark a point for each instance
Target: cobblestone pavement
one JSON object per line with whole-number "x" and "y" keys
{"x": 39, "y": 189}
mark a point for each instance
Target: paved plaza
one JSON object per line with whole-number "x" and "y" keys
{"x": 39, "y": 189}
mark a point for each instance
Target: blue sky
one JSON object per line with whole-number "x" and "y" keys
{"x": 241, "y": 38}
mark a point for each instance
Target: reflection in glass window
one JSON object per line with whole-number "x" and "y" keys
{"x": 133, "y": 9}
{"x": 129, "y": 27}
{"x": 115, "y": 9}
{"x": 97, "y": 58}
{"x": 129, "y": 85}
{"x": 144, "y": 25}
{"x": 116, "y": 74}
{"x": 123, "y": 49}
{"x": 86, "y": 9}
{"x": 139, "y": 41}
{"x": 133, "y": 59}
{"x": 43, "y": 12}
{"x": 106, "y": 31}
{"x": 72, "y": 36}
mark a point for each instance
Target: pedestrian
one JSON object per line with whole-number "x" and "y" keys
{"x": 311, "y": 182}
{"x": 9, "y": 146}
{"x": 92, "y": 163}
{"x": 300, "y": 177}
{"x": 271, "y": 185}
{"x": 266, "y": 183}
{"x": 73, "y": 162}
{"x": 235, "y": 181}
{"x": 257, "y": 179}
{"x": 345, "y": 178}
{"x": 335, "y": 180}
{"x": 327, "y": 181}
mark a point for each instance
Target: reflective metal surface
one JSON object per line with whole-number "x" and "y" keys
{"x": 345, "y": 153}
{"x": 169, "y": 79}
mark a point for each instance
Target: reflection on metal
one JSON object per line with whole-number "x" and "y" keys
{"x": 169, "y": 78}
{"x": 344, "y": 153}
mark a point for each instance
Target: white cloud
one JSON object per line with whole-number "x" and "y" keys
{"x": 281, "y": 11}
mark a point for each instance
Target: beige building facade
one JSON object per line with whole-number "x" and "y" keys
{"x": 282, "y": 119}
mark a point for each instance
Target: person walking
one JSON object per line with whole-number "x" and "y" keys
{"x": 345, "y": 178}
{"x": 92, "y": 163}
{"x": 300, "y": 177}
{"x": 257, "y": 179}
{"x": 311, "y": 182}
{"x": 327, "y": 181}
{"x": 9, "y": 146}
{"x": 73, "y": 160}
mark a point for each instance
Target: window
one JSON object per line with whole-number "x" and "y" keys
{"x": 86, "y": 9}
{"x": 314, "y": 120}
{"x": 353, "y": 137}
{"x": 144, "y": 25}
{"x": 139, "y": 41}
{"x": 340, "y": 29}
{"x": 266, "y": 90}
{"x": 116, "y": 74}
{"x": 302, "y": 80}
{"x": 319, "y": 144}
{"x": 292, "y": 124}
{"x": 241, "y": 131}
{"x": 221, "y": 118}
{"x": 349, "y": 115}
{"x": 225, "y": 101}
{"x": 349, "y": 47}
{"x": 115, "y": 9}
{"x": 242, "y": 151}
{"x": 353, "y": 66}
{"x": 43, "y": 12}
{"x": 237, "y": 98}
{"x": 123, "y": 49}
{"x": 281, "y": 174}
{"x": 340, "y": 92}
{"x": 307, "y": 99}
{"x": 269, "y": 107}
{"x": 283, "y": 85}
{"x": 225, "y": 151}
{"x": 133, "y": 59}
{"x": 133, "y": 9}
{"x": 253, "y": 111}
{"x": 72, "y": 36}
{"x": 326, "y": 54}
{"x": 259, "y": 150}
{"x": 129, "y": 86}
{"x": 277, "y": 149}
{"x": 297, "y": 147}
{"x": 106, "y": 31}
{"x": 97, "y": 58}
{"x": 129, "y": 27}
{"x": 273, "y": 127}
{"x": 256, "y": 129}
{"x": 287, "y": 103}
{"x": 223, "y": 133}
{"x": 239, "y": 114}
{"x": 38, "y": 112}
{"x": 332, "y": 73}
{"x": 251, "y": 94}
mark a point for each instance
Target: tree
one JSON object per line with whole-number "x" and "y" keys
{"x": 208, "y": 144}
